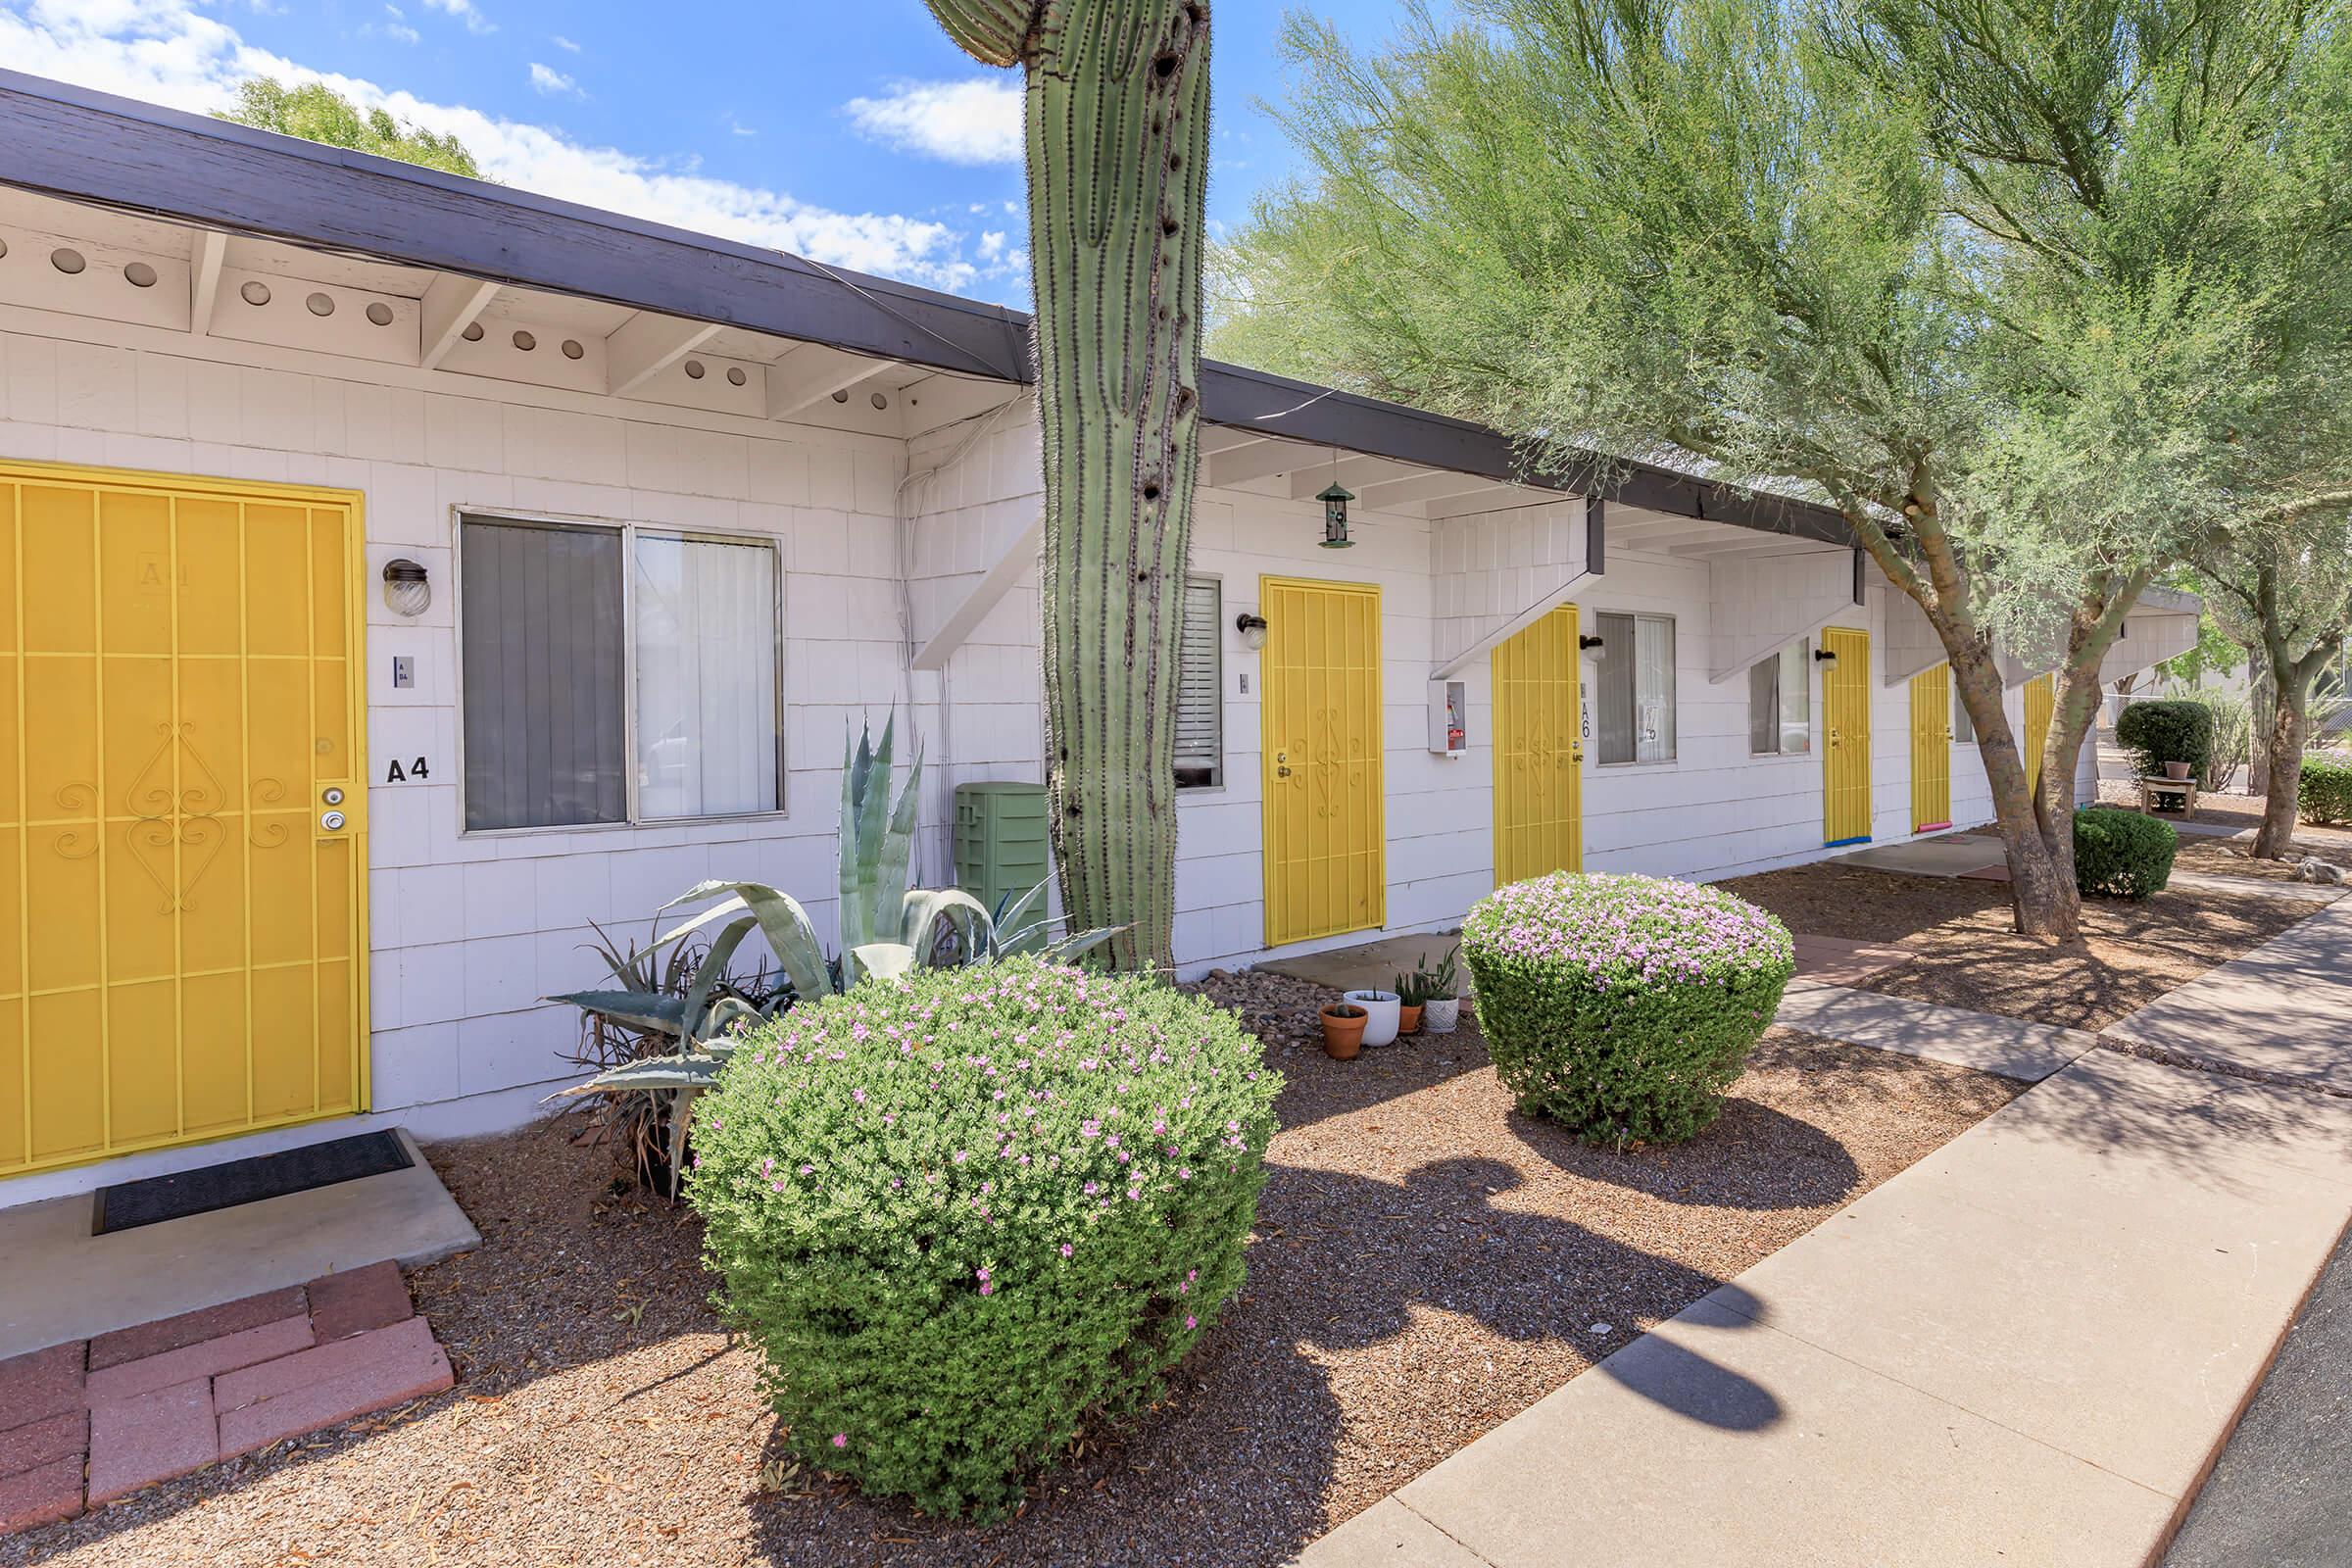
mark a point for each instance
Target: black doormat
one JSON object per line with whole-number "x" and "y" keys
{"x": 248, "y": 1181}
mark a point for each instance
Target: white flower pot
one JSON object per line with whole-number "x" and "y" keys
{"x": 1440, "y": 1018}
{"x": 1379, "y": 1008}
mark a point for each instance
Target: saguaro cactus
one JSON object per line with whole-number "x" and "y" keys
{"x": 1117, "y": 117}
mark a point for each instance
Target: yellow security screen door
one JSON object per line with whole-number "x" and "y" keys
{"x": 1931, "y": 749}
{"x": 1845, "y": 719}
{"x": 182, "y": 812}
{"x": 2042, "y": 694}
{"x": 1325, "y": 870}
{"x": 1539, "y": 761}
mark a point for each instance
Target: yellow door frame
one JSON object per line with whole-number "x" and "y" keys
{"x": 1298, "y": 909}
{"x": 17, "y": 474}
{"x": 1539, "y": 750}
{"x": 1846, "y": 721}
{"x": 1931, "y": 749}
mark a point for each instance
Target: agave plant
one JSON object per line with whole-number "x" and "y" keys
{"x": 887, "y": 928}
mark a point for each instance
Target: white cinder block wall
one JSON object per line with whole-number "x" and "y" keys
{"x": 469, "y": 931}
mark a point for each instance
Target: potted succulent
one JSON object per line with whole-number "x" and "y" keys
{"x": 1441, "y": 1001}
{"x": 1409, "y": 996}
{"x": 1379, "y": 1014}
{"x": 1344, "y": 1030}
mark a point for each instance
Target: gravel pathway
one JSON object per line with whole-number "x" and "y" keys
{"x": 1427, "y": 1263}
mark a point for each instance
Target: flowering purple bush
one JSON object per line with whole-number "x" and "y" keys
{"x": 962, "y": 1211}
{"x": 1622, "y": 1006}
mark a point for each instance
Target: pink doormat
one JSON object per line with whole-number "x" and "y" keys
{"x": 92, "y": 1420}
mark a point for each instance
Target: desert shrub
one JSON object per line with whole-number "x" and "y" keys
{"x": 1622, "y": 1006}
{"x": 2325, "y": 794}
{"x": 2168, "y": 731}
{"x": 961, "y": 1212}
{"x": 2122, "y": 855}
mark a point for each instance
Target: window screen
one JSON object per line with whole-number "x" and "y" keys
{"x": 1962, "y": 729}
{"x": 1200, "y": 688}
{"x": 1636, "y": 679}
{"x": 543, "y": 660}
{"x": 566, "y": 627}
{"x": 1779, "y": 703}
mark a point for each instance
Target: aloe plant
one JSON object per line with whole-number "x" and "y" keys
{"x": 887, "y": 928}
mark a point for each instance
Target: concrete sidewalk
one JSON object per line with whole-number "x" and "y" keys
{"x": 2024, "y": 1350}
{"x": 2283, "y": 1011}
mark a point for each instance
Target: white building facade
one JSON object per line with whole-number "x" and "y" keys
{"x": 597, "y": 582}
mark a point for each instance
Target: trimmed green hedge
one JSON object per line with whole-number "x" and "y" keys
{"x": 2324, "y": 791}
{"x": 1622, "y": 1006}
{"x": 2171, "y": 730}
{"x": 963, "y": 1210}
{"x": 2122, "y": 855}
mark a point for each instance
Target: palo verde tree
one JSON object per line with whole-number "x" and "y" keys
{"x": 1117, "y": 126}
{"x": 2286, "y": 594}
{"x": 1946, "y": 263}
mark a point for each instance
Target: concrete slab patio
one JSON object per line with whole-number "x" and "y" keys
{"x": 1368, "y": 965}
{"x": 2023, "y": 1350}
{"x": 2014, "y": 1047}
{"x": 2283, "y": 1011}
{"x": 67, "y": 1283}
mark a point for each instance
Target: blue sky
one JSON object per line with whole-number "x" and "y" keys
{"x": 853, "y": 133}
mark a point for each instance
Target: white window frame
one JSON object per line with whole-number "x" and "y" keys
{"x": 1212, "y": 580}
{"x": 630, "y": 532}
{"x": 1804, "y": 648}
{"x": 1962, "y": 726}
{"x": 1674, "y": 693}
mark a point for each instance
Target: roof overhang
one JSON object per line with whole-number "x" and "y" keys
{"x": 89, "y": 147}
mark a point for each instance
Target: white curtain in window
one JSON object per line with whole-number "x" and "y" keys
{"x": 1797, "y": 698}
{"x": 1653, "y": 688}
{"x": 706, "y": 639}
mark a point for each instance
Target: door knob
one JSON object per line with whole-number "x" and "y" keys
{"x": 333, "y": 821}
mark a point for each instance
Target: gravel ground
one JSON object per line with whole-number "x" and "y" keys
{"x": 1969, "y": 955}
{"x": 1427, "y": 1263}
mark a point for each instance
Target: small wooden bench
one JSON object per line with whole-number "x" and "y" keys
{"x": 2184, "y": 789}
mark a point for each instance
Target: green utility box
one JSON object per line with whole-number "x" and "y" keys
{"x": 1000, "y": 841}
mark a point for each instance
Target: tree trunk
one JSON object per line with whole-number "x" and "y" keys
{"x": 2042, "y": 896}
{"x": 1117, "y": 114}
{"x": 2275, "y": 839}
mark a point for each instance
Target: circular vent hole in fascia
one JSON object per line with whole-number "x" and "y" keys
{"x": 320, "y": 303}
{"x": 525, "y": 341}
{"x": 695, "y": 369}
{"x": 473, "y": 332}
{"x": 254, "y": 292}
{"x": 380, "y": 314}
{"x": 138, "y": 274}
{"x": 67, "y": 260}
{"x": 572, "y": 349}
{"x": 735, "y": 375}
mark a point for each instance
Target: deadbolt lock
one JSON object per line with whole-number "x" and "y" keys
{"x": 332, "y": 796}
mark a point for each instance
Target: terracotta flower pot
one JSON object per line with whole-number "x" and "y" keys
{"x": 2177, "y": 772}
{"x": 1344, "y": 1031}
{"x": 1408, "y": 1018}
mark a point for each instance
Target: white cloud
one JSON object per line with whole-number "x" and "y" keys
{"x": 974, "y": 121}
{"x": 464, "y": 11}
{"x": 992, "y": 244}
{"x": 563, "y": 43}
{"x": 171, "y": 52}
{"x": 397, "y": 30}
{"x": 546, "y": 81}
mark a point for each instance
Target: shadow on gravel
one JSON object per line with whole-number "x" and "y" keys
{"x": 1753, "y": 1157}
